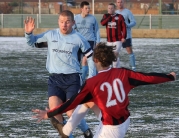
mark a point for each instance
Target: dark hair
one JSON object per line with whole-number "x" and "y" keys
{"x": 83, "y": 4}
{"x": 67, "y": 13}
{"x": 104, "y": 54}
{"x": 112, "y": 4}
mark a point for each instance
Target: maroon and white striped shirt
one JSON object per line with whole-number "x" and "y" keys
{"x": 115, "y": 27}
{"x": 109, "y": 90}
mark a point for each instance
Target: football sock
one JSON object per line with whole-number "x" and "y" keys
{"x": 70, "y": 134}
{"x": 83, "y": 125}
{"x": 132, "y": 61}
{"x": 75, "y": 119}
{"x": 99, "y": 116}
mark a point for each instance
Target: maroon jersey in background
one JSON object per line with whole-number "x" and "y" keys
{"x": 115, "y": 27}
{"x": 109, "y": 90}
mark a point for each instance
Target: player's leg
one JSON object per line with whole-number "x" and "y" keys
{"x": 79, "y": 122}
{"x": 56, "y": 97}
{"x": 110, "y": 131}
{"x": 131, "y": 57}
{"x": 118, "y": 45}
{"x": 95, "y": 109}
{"x": 80, "y": 113}
{"x": 128, "y": 45}
{"x": 55, "y": 94}
{"x": 77, "y": 115}
{"x": 72, "y": 89}
{"x": 59, "y": 127}
{"x": 75, "y": 119}
{"x": 55, "y": 101}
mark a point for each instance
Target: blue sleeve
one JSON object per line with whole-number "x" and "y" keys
{"x": 91, "y": 66}
{"x": 97, "y": 31}
{"x": 88, "y": 52}
{"x": 84, "y": 45}
{"x": 32, "y": 39}
{"x": 132, "y": 20}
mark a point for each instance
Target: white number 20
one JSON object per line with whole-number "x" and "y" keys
{"x": 120, "y": 97}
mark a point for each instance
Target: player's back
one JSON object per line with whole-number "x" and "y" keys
{"x": 110, "y": 90}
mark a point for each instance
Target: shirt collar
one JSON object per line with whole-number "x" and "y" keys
{"x": 105, "y": 70}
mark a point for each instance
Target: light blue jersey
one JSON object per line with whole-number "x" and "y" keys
{"x": 129, "y": 20}
{"x": 62, "y": 54}
{"x": 88, "y": 27}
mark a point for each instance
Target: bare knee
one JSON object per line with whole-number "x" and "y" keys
{"x": 93, "y": 107}
{"x": 69, "y": 113}
{"x": 129, "y": 50}
{"x": 54, "y": 101}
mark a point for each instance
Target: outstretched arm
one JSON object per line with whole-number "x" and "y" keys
{"x": 138, "y": 78}
{"x": 80, "y": 98}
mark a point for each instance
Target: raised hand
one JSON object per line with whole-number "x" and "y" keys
{"x": 123, "y": 40}
{"x": 29, "y": 25}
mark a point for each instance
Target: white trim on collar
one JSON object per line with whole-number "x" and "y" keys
{"x": 104, "y": 70}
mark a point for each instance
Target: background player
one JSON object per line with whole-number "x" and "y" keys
{"x": 109, "y": 90}
{"x": 87, "y": 25}
{"x": 130, "y": 22}
{"x": 115, "y": 29}
{"x": 62, "y": 62}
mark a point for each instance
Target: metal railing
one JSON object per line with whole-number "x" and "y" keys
{"x": 147, "y": 21}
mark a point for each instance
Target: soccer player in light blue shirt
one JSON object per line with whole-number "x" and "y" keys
{"x": 63, "y": 62}
{"x": 87, "y": 25}
{"x": 130, "y": 22}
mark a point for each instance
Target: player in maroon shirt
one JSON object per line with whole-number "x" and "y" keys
{"x": 115, "y": 29}
{"x": 109, "y": 90}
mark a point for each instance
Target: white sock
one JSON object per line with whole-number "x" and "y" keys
{"x": 116, "y": 64}
{"x": 99, "y": 116}
{"x": 78, "y": 114}
{"x": 98, "y": 129}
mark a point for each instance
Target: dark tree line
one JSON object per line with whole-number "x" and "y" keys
{"x": 5, "y": 8}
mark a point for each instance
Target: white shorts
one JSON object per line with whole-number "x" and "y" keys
{"x": 109, "y": 131}
{"x": 118, "y": 45}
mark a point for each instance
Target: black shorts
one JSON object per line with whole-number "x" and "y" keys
{"x": 127, "y": 43}
{"x": 64, "y": 86}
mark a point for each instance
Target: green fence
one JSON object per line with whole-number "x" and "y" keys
{"x": 51, "y": 21}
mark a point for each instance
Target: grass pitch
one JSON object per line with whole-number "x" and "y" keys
{"x": 23, "y": 83}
